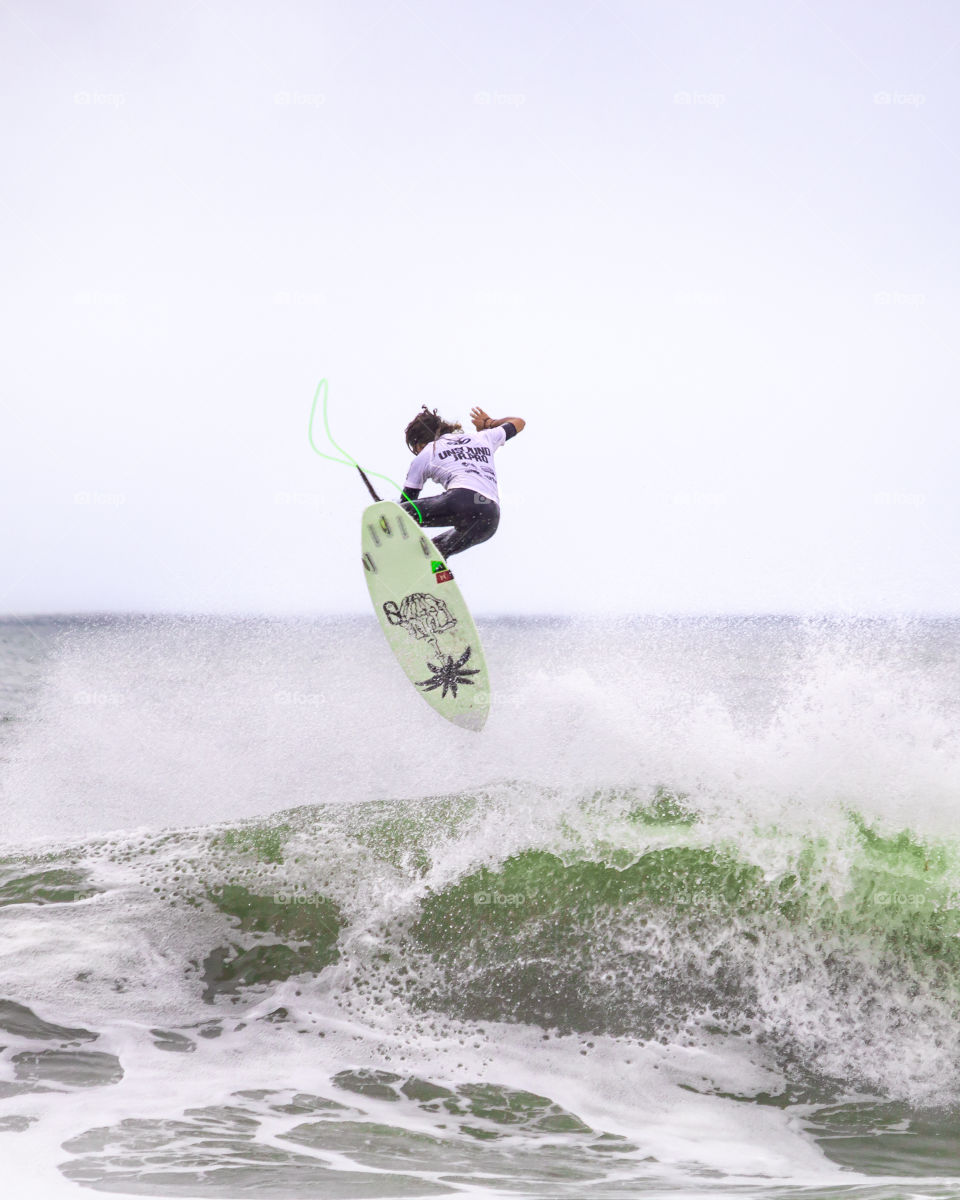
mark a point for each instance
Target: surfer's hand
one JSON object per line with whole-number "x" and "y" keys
{"x": 479, "y": 418}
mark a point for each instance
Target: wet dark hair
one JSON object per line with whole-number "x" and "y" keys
{"x": 427, "y": 426}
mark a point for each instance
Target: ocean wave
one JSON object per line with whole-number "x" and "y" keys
{"x": 627, "y": 917}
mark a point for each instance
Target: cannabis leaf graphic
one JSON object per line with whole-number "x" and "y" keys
{"x": 449, "y": 675}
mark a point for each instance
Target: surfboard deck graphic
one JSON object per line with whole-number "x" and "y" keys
{"x": 423, "y": 615}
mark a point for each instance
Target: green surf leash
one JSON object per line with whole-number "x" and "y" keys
{"x": 348, "y": 460}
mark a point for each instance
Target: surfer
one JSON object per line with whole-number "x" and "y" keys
{"x": 462, "y": 463}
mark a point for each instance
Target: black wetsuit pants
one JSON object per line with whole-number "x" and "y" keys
{"x": 474, "y": 518}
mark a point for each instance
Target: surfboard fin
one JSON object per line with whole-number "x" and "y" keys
{"x": 369, "y": 485}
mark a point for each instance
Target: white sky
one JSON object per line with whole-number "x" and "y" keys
{"x": 706, "y": 248}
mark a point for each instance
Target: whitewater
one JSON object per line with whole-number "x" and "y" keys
{"x": 684, "y": 920}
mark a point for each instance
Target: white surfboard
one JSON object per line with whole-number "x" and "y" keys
{"x": 423, "y": 615}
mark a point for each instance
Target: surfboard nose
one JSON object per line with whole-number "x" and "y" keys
{"x": 424, "y": 617}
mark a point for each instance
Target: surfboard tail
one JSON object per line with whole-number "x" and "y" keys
{"x": 475, "y": 719}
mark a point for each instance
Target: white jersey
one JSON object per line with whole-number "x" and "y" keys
{"x": 460, "y": 460}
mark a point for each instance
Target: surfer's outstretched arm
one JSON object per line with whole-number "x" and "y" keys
{"x": 482, "y": 420}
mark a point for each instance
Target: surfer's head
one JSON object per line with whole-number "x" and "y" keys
{"x": 426, "y": 427}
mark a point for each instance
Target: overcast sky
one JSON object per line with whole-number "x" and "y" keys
{"x": 707, "y": 249}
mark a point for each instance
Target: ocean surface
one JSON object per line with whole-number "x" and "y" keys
{"x": 684, "y": 920}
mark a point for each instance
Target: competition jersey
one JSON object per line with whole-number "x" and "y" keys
{"x": 460, "y": 460}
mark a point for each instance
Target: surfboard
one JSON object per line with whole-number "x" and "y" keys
{"x": 423, "y": 615}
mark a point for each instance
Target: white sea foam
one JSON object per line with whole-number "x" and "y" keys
{"x": 774, "y": 733}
